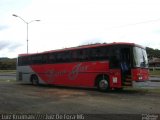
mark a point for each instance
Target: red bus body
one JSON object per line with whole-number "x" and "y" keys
{"x": 140, "y": 74}
{"x": 80, "y": 73}
{"x": 76, "y": 74}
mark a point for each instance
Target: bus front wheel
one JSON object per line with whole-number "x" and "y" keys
{"x": 34, "y": 80}
{"x": 103, "y": 83}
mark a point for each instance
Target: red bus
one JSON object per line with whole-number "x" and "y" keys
{"x": 105, "y": 66}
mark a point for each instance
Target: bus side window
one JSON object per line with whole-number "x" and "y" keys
{"x": 98, "y": 54}
{"x": 94, "y": 54}
{"x": 79, "y": 55}
{"x": 86, "y": 55}
{"x": 125, "y": 59}
{"x": 45, "y": 58}
{"x": 73, "y": 56}
{"x": 67, "y": 56}
{"x": 59, "y": 57}
{"x": 114, "y": 58}
{"x": 104, "y": 53}
{"x": 25, "y": 60}
{"x": 36, "y": 59}
{"x": 52, "y": 58}
{"x": 63, "y": 56}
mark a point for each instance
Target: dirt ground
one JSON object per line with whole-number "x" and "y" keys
{"x": 20, "y": 98}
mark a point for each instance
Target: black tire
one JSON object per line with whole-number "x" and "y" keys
{"x": 103, "y": 83}
{"x": 35, "y": 80}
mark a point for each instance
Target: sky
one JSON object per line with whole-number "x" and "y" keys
{"x": 68, "y": 23}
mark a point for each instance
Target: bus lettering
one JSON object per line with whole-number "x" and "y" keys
{"x": 76, "y": 70}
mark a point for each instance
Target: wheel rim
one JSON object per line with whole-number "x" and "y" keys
{"x": 103, "y": 84}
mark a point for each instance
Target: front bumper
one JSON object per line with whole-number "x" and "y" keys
{"x": 140, "y": 84}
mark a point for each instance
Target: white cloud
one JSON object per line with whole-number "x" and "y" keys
{"x": 66, "y": 23}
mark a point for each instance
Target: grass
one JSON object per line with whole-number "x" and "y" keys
{"x": 7, "y": 71}
{"x": 154, "y": 73}
{"x": 156, "y": 90}
{"x": 10, "y": 80}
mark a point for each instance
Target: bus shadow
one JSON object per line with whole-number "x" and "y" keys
{"x": 93, "y": 91}
{"x": 46, "y": 86}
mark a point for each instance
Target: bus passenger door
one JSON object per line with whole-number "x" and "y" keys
{"x": 125, "y": 65}
{"x": 120, "y": 60}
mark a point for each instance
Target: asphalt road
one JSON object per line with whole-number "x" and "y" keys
{"x": 8, "y": 76}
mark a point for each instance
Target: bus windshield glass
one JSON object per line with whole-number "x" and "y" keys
{"x": 140, "y": 57}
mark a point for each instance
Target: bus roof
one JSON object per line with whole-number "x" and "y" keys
{"x": 83, "y": 47}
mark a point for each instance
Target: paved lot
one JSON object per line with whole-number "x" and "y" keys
{"x": 27, "y": 98}
{"x": 7, "y": 76}
{"x": 20, "y": 98}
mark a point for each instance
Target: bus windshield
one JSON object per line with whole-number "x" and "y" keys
{"x": 140, "y": 57}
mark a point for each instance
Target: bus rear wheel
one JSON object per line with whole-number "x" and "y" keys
{"x": 103, "y": 83}
{"x": 34, "y": 80}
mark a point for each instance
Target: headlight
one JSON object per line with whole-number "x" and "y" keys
{"x": 139, "y": 77}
